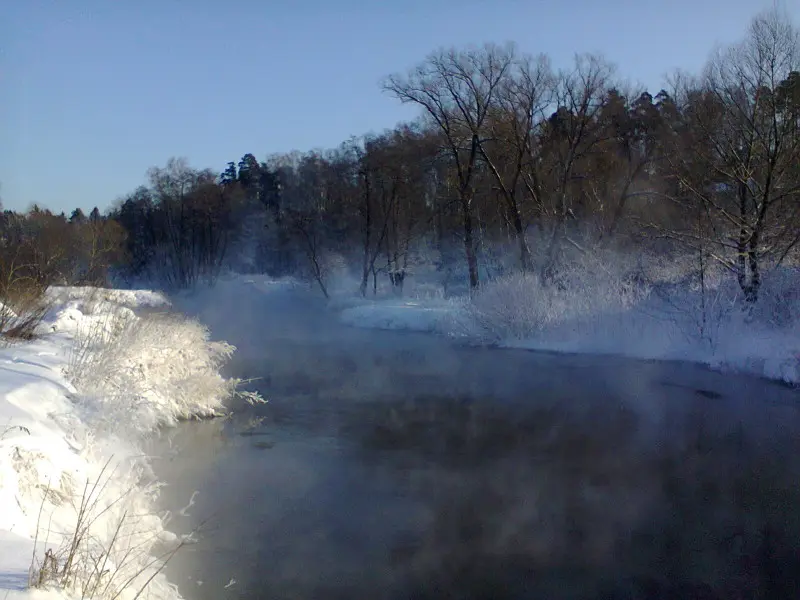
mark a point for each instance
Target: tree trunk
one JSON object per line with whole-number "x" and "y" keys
{"x": 367, "y": 231}
{"x": 519, "y": 229}
{"x": 748, "y": 274}
{"x": 751, "y": 295}
{"x": 364, "y": 278}
{"x": 469, "y": 244}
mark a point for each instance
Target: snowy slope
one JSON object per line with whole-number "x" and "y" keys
{"x": 74, "y": 406}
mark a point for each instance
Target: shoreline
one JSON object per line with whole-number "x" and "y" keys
{"x": 73, "y": 477}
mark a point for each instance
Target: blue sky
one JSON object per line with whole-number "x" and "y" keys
{"x": 94, "y": 92}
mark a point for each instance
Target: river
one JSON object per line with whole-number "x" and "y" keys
{"x": 400, "y": 465}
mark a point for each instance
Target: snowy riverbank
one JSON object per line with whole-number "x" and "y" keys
{"x": 75, "y": 405}
{"x": 518, "y": 315}
{"x": 739, "y": 347}
{"x": 598, "y": 320}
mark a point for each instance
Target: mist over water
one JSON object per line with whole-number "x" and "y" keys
{"x": 400, "y": 465}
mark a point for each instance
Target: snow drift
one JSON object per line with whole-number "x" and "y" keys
{"x": 77, "y": 497}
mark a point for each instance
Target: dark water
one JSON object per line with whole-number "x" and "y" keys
{"x": 392, "y": 465}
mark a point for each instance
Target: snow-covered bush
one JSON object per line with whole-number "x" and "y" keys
{"x": 151, "y": 370}
{"x": 90, "y": 299}
{"x": 695, "y": 298}
{"x": 779, "y": 299}
{"x": 22, "y": 308}
{"x": 521, "y": 304}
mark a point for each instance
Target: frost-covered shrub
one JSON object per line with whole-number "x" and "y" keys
{"x": 22, "y": 308}
{"x": 513, "y": 306}
{"x": 148, "y": 371}
{"x": 779, "y": 299}
{"x": 713, "y": 306}
{"x": 90, "y": 300}
{"x": 696, "y": 299}
{"x": 521, "y": 304}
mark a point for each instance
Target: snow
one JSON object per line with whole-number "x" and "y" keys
{"x": 411, "y": 315}
{"x": 75, "y": 405}
{"x": 598, "y": 321}
{"x": 127, "y": 298}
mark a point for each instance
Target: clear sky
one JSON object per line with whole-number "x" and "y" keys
{"x": 94, "y": 92}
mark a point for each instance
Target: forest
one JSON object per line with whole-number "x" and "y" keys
{"x": 513, "y": 167}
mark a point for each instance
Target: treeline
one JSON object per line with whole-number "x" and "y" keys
{"x": 39, "y": 248}
{"x": 508, "y": 154}
{"x": 180, "y": 227}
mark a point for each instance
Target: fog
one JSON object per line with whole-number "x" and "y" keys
{"x": 394, "y": 464}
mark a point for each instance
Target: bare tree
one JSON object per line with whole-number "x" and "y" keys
{"x": 309, "y": 229}
{"x": 194, "y": 222}
{"x": 385, "y": 185}
{"x": 575, "y": 131}
{"x": 458, "y": 90}
{"x": 624, "y": 166}
{"x": 509, "y": 143}
{"x": 101, "y": 246}
{"x": 743, "y": 150}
